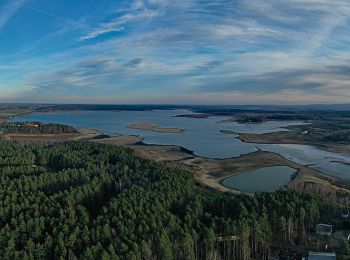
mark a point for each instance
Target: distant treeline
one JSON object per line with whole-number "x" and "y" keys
{"x": 246, "y": 118}
{"x": 339, "y": 136}
{"x": 81, "y": 200}
{"x": 35, "y": 128}
{"x": 250, "y": 119}
{"x": 333, "y": 124}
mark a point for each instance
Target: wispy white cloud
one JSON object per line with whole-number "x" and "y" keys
{"x": 9, "y": 10}
{"x": 201, "y": 50}
{"x": 119, "y": 23}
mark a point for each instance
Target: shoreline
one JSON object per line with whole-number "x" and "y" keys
{"x": 23, "y": 113}
{"x": 262, "y": 139}
{"x": 206, "y": 171}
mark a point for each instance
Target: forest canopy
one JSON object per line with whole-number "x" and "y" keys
{"x": 82, "y": 200}
{"x": 35, "y": 128}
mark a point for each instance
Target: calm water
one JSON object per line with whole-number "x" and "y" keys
{"x": 334, "y": 164}
{"x": 202, "y": 136}
{"x": 254, "y": 181}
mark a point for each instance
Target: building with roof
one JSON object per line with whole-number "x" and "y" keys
{"x": 321, "y": 256}
{"x": 324, "y": 229}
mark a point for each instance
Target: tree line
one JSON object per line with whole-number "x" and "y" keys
{"x": 35, "y": 128}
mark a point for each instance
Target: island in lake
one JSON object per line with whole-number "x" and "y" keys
{"x": 155, "y": 128}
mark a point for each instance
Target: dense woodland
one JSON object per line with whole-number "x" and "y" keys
{"x": 81, "y": 200}
{"x": 35, "y": 128}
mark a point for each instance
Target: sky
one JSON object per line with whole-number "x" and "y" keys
{"x": 175, "y": 52}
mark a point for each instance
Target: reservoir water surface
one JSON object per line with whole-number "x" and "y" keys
{"x": 200, "y": 135}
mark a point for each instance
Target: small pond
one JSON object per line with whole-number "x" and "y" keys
{"x": 265, "y": 179}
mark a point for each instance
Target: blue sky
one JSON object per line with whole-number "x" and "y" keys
{"x": 163, "y": 51}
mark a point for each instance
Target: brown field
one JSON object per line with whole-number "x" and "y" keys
{"x": 150, "y": 127}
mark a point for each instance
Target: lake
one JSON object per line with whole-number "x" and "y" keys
{"x": 257, "y": 180}
{"x": 201, "y": 135}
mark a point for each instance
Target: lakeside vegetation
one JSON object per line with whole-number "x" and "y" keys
{"x": 12, "y": 111}
{"x": 327, "y": 130}
{"x": 35, "y": 128}
{"x": 92, "y": 201}
{"x": 326, "y": 135}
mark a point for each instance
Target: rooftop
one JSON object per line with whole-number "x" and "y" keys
{"x": 321, "y": 256}
{"x": 324, "y": 229}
